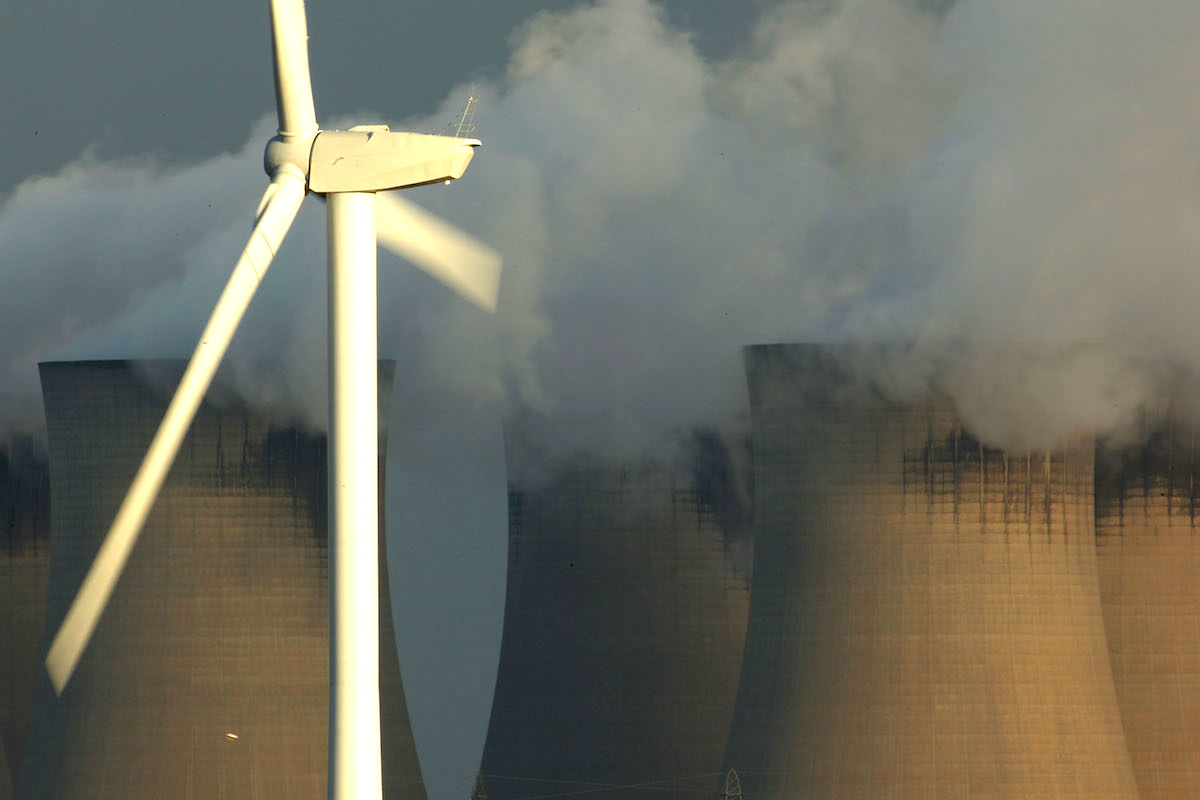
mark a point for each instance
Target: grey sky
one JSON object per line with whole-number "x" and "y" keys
{"x": 184, "y": 81}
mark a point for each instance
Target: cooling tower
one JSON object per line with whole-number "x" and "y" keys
{"x": 623, "y": 630}
{"x": 24, "y": 571}
{"x": 208, "y": 674}
{"x": 1147, "y": 508}
{"x": 925, "y": 620}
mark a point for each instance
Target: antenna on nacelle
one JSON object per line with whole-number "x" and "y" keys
{"x": 463, "y": 125}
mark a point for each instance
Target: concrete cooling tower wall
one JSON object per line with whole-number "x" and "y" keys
{"x": 207, "y": 676}
{"x": 24, "y": 573}
{"x": 926, "y": 620}
{"x": 623, "y": 631}
{"x": 1148, "y": 545}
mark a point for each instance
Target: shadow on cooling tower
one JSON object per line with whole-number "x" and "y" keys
{"x": 926, "y": 619}
{"x": 207, "y": 676}
{"x": 623, "y": 628}
{"x": 1148, "y": 545}
{"x": 24, "y": 574}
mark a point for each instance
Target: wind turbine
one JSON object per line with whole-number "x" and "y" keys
{"x": 348, "y": 168}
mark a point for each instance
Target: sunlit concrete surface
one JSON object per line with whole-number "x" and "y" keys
{"x": 208, "y": 674}
{"x": 24, "y": 572}
{"x": 925, "y": 620}
{"x": 1147, "y": 505}
{"x": 623, "y": 631}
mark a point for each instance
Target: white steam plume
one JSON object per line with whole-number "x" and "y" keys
{"x": 1005, "y": 175}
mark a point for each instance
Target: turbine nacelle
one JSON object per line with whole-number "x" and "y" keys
{"x": 369, "y": 158}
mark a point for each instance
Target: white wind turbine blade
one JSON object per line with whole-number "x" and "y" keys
{"x": 293, "y": 86}
{"x": 455, "y": 258}
{"x": 278, "y": 209}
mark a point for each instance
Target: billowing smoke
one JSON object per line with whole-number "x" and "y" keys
{"x": 1054, "y": 218}
{"x": 979, "y": 180}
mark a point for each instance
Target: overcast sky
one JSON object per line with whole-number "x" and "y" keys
{"x": 184, "y": 81}
{"x": 1010, "y": 186}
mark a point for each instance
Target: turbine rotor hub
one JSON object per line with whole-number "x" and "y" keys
{"x": 291, "y": 154}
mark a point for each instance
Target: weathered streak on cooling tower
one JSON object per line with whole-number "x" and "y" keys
{"x": 219, "y": 624}
{"x": 1147, "y": 507}
{"x": 24, "y": 573}
{"x": 623, "y": 632}
{"x": 925, "y": 620}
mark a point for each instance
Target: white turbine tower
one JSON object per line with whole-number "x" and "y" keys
{"x": 348, "y": 167}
